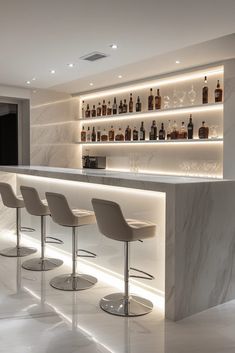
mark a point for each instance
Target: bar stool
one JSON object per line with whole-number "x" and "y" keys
{"x": 113, "y": 225}
{"x": 62, "y": 214}
{"x": 12, "y": 201}
{"x": 37, "y": 207}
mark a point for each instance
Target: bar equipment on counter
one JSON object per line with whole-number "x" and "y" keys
{"x": 94, "y": 162}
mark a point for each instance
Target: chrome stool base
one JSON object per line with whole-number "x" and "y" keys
{"x": 37, "y": 264}
{"x": 69, "y": 282}
{"x": 115, "y": 304}
{"x": 17, "y": 251}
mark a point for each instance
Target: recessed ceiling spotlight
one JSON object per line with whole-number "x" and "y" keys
{"x": 52, "y": 72}
{"x": 28, "y": 82}
{"x": 34, "y": 79}
{"x": 119, "y": 76}
{"x": 177, "y": 62}
{"x": 113, "y": 46}
{"x": 70, "y": 65}
{"x": 34, "y": 91}
{"x": 91, "y": 84}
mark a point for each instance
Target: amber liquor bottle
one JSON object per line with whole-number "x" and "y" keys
{"x": 183, "y": 132}
{"x": 162, "y": 133}
{"x": 150, "y": 100}
{"x": 138, "y": 105}
{"x": 218, "y": 93}
{"x": 142, "y": 131}
{"x": 83, "y": 109}
{"x": 124, "y": 109}
{"x": 93, "y": 135}
{"x": 153, "y": 131}
{"x": 190, "y": 128}
{"x": 99, "y": 110}
{"x": 83, "y": 135}
{"x": 88, "y": 112}
{"x": 98, "y": 135}
{"x": 119, "y": 136}
{"x": 93, "y": 112}
{"x": 203, "y": 131}
{"x": 158, "y": 100}
{"x": 114, "y": 106}
{"x": 109, "y": 109}
{"x": 104, "y": 108}
{"x": 88, "y": 134}
{"x": 111, "y": 134}
{"x": 135, "y": 134}
{"x": 131, "y": 104}
{"x": 128, "y": 133}
{"x": 205, "y": 92}
{"x": 120, "y": 108}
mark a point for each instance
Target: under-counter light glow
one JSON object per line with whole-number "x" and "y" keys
{"x": 156, "y": 83}
{"x": 52, "y": 72}
{"x": 166, "y": 112}
{"x": 113, "y": 46}
{"x": 177, "y": 62}
{"x": 28, "y": 82}
{"x": 119, "y": 76}
{"x": 91, "y": 84}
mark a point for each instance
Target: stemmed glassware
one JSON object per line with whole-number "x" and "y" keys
{"x": 192, "y": 95}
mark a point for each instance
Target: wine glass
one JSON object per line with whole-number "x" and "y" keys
{"x": 181, "y": 96}
{"x": 175, "y": 98}
{"x": 192, "y": 95}
{"x": 166, "y": 102}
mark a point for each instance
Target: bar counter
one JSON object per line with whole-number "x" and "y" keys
{"x": 194, "y": 243}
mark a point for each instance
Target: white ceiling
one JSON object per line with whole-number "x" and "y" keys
{"x": 39, "y": 35}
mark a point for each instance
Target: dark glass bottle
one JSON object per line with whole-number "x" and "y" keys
{"x": 203, "y": 131}
{"x": 83, "y": 135}
{"x": 88, "y": 134}
{"x": 93, "y": 135}
{"x": 99, "y": 110}
{"x": 120, "y": 108}
{"x": 120, "y": 135}
{"x": 162, "y": 133}
{"x": 104, "y": 108}
{"x": 135, "y": 134}
{"x": 142, "y": 131}
{"x": 124, "y": 108}
{"x": 109, "y": 109}
{"x": 88, "y": 112}
{"x": 205, "y": 92}
{"x": 83, "y": 109}
{"x": 131, "y": 104}
{"x": 153, "y": 131}
{"x": 158, "y": 100}
{"x": 190, "y": 128}
{"x": 218, "y": 93}
{"x": 138, "y": 106}
{"x": 111, "y": 134}
{"x": 150, "y": 100}
{"x": 128, "y": 133}
{"x": 93, "y": 112}
{"x": 98, "y": 134}
{"x": 114, "y": 106}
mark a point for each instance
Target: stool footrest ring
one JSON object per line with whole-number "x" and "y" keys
{"x": 88, "y": 253}
{"x": 27, "y": 229}
{"x": 146, "y": 274}
{"x": 53, "y": 240}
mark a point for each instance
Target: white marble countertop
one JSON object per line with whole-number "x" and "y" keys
{"x": 144, "y": 181}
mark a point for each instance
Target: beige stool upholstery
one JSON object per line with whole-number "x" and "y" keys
{"x": 10, "y": 200}
{"x": 112, "y": 224}
{"x": 62, "y": 214}
{"x": 36, "y": 207}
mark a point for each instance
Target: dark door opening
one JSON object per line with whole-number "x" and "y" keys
{"x": 8, "y": 134}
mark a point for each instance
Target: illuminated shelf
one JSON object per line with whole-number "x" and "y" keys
{"x": 156, "y": 113}
{"x": 152, "y": 142}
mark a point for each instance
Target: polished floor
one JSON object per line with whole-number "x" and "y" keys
{"x": 35, "y": 318}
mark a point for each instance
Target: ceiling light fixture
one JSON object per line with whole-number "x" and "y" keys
{"x": 119, "y": 76}
{"x": 91, "y": 84}
{"x": 70, "y": 65}
{"x": 52, "y": 72}
{"x": 28, "y": 82}
{"x": 113, "y": 46}
{"x": 177, "y": 62}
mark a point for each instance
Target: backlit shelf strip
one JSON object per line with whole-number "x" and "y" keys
{"x": 159, "y": 113}
{"x": 148, "y": 142}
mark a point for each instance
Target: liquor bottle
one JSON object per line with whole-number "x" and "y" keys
{"x": 168, "y": 130}
{"x": 218, "y": 93}
{"x": 128, "y": 133}
{"x": 205, "y": 92}
{"x": 88, "y": 112}
{"x": 93, "y": 112}
{"x": 142, "y": 131}
{"x": 138, "y": 105}
{"x": 158, "y": 100}
{"x": 98, "y": 134}
{"x": 203, "y": 131}
{"x": 120, "y": 108}
{"x": 131, "y": 104}
{"x": 124, "y": 108}
{"x": 99, "y": 110}
{"x": 83, "y": 109}
{"x": 175, "y": 131}
{"x": 119, "y": 136}
{"x": 150, "y": 100}
{"x": 88, "y": 134}
{"x": 93, "y": 135}
{"x": 190, "y": 128}
{"x": 162, "y": 133}
{"x": 153, "y": 131}
{"x": 111, "y": 134}
{"x": 83, "y": 135}
{"x": 135, "y": 134}
{"x": 104, "y": 136}
{"x": 109, "y": 109}
{"x": 104, "y": 108}
{"x": 114, "y": 106}
{"x": 183, "y": 132}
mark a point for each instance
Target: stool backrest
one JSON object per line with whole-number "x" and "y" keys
{"x": 33, "y": 203}
{"x": 61, "y": 213}
{"x": 9, "y": 198}
{"x": 110, "y": 220}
